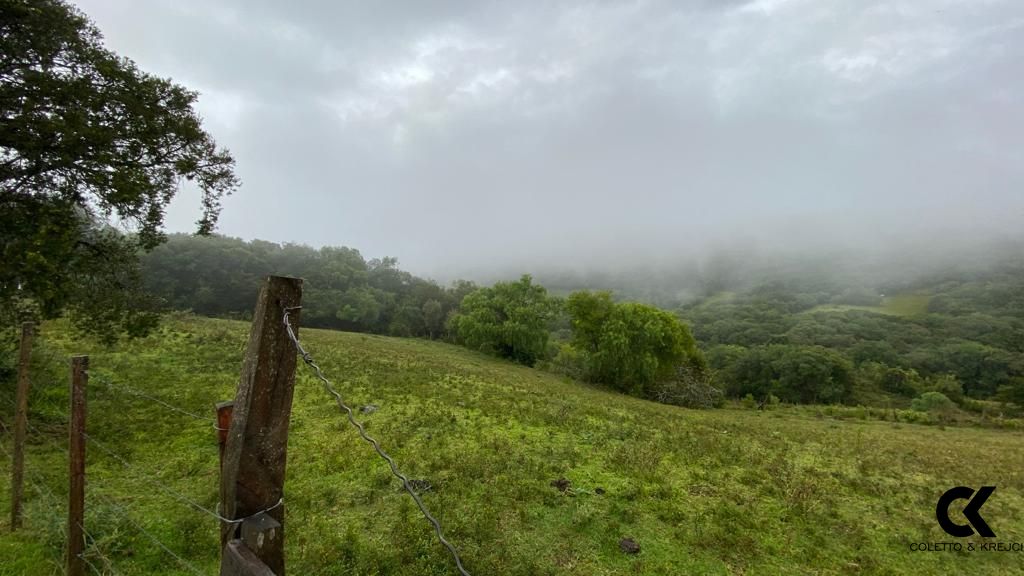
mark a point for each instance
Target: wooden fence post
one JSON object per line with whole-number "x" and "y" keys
{"x": 76, "y": 459}
{"x": 20, "y": 423}
{"x": 253, "y": 467}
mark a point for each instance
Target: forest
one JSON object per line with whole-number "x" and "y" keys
{"x": 805, "y": 337}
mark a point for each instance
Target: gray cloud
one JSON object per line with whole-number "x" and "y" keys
{"x": 465, "y": 136}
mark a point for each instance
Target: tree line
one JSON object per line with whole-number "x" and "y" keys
{"x": 635, "y": 348}
{"x": 791, "y": 340}
{"x": 220, "y": 276}
{"x": 771, "y": 342}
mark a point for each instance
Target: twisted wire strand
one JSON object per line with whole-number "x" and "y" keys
{"x": 50, "y": 405}
{"x": 308, "y": 359}
{"x": 49, "y": 493}
{"x": 62, "y": 448}
{"x": 46, "y": 493}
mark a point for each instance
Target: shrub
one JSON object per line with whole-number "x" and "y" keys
{"x": 749, "y": 402}
{"x": 689, "y": 388}
{"x": 566, "y": 361}
{"x": 932, "y": 402}
{"x": 948, "y": 385}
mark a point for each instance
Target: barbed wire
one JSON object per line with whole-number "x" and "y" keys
{"x": 172, "y": 492}
{"x": 51, "y": 355}
{"x": 308, "y": 359}
{"x": 153, "y": 480}
{"x": 91, "y": 565}
{"x": 33, "y": 407}
{"x": 112, "y": 386}
{"x": 40, "y": 487}
{"x": 116, "y": 386}
{"x": 95, "y": 546}
{"x": 53, "y": 444}
{"x": 46, "y": 493}
{"x": 123, "y": 514}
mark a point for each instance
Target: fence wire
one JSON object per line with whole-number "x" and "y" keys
{"x": 160, "y": 485}
{"x": 308, "y": 359}
{"x": 95, "y": 546}
{"x": 122, "y": 513}
{"x": 112, "y": 386}
{"x": 119, "y": 390}
{"x": 115, "y": 387}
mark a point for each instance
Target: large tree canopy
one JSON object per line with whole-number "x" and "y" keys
{"x": 509, "y": 319}
{"x": 630, "y": 346}
{"x": 86, "y": 136}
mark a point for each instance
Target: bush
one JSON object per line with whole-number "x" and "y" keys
{"x": 689, "y": 388}
{"x": 566, "y": 361}
{"x": 947, "y": 385}
{"x": 932, "y": 402}
{"x": 749, "y": 402}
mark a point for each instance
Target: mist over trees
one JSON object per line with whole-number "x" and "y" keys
{"x": 220, "y": 276}
{"x": 957, "y": 332}
{"x": 813, "y": 336}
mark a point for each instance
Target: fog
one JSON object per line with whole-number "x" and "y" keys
{"x": 472, "y": 139}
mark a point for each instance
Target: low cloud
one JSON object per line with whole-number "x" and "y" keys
{"x": 478, "y": 136}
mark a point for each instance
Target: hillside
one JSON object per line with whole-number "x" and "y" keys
{"x": 709, "y": 492}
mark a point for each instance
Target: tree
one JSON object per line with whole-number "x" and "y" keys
{"x": 433, "y": 318}
{"x": 810, "y": 374}
{"x": 797, "y": 374}
{"x": 85, "y": 136}
{"x": 934, "y": 402}
{"x": 1013, "y": 392}
{"x": 630, "y": 346}
{"x": 900, "y": 381}
{"x": 509, "y": 319}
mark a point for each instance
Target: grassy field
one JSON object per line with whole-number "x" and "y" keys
{"x": 702, "y": 492}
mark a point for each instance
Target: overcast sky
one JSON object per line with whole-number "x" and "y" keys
{"x": 467, "y": 135}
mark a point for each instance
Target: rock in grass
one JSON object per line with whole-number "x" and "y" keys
{"x": 369, "y": 409}
{"x": 629, "y": 546}
{"x": 562, "y": 484}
